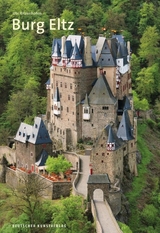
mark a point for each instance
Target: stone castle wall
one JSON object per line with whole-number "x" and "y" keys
{"x": 52, "y": 190}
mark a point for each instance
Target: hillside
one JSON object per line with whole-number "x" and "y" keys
{"x": 144, "y": 197}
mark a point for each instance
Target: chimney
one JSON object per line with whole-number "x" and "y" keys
{"x": 87, "y": 51}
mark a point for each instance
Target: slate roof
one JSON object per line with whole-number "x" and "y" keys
{"x": 67, "y": 49}
{"x": 41, "y": 160}
{"x": 101, "y": 92}
{"x": 48, "y": 82}
{"x": 125, "y": 130}
{"x": 112, "y": 137}
{"x": 98, "y": 179}
{"x": 56, "y": 95}
{"x": 36, "y": 134}
{"x": 56, "y": 51}
{"x": 76, "y": 54}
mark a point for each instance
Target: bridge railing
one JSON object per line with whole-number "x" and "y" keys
{"x": 94, "y": 213}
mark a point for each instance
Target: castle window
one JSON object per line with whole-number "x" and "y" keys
{"x": 103, "y": 154}
{"x": 72, "y": 98}
{"x": 86, "y": 110}
{"x": 52, "y": 107}
{"x": 101, "y": 161}
{"x": 31, "y": 154}
{"x": 33, "y": 135}
{"x": 19, "y": 133}
{"x": 65, "y": 85}
{"x": 104, "y": 72}
{"x": 67, "y": 109}
{"x": 92, "y": 110}
{"x": 70, "y": 85}
{"x": 131, "y": 144}
{"x": 104, "y": 138}
{"x": 60, "y": 95}
{"x": 101, "y": 145}
{"x": 61, "y": 69}
{"x": 61, "y": 108}
{"x": 52, "y": 85}
{"x": 60, "y": 84}
{"x": 56, "y": 83}
{"x": 23, "y": 134}
{"x": 68, "y": 97}
{"x": 107, "y": 153}
{"x": 92, "y": 125}
{"x": 105, "y": 108}
{"x": 73, "y": 113}
{"x": 96, "y": 153}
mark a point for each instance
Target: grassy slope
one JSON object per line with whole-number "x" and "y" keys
{"x": 149, "y": 169}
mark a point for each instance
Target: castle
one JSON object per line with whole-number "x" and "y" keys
{"x": 89, "y": 98}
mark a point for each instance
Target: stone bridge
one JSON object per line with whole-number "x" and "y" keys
{"x": 99, "y": 194}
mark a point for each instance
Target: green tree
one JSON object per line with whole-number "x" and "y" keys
{"x": 135, "y": 67}
{"x": 147, "y": 16}
{"x": 140, "y": 104}
{"x": 149, "y": 215}
{"x": 57, "y": 165}
{"x": 149, "y": 45}
{"x": 28, "y": 200}
{"x": 70, "y": 212}
{"x": 22, "y": 106}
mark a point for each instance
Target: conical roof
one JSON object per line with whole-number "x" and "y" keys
{"x": 56, "y": 51}
{"x": 125, "y": 129}
{"x": 111, "y": 138}
{"x": 76, "y": 54}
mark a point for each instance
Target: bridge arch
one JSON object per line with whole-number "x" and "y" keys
{"x": 98, "y": 195}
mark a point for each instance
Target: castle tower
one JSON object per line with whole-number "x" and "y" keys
{"x": 103, "y": 108}
{"x": 70, "y": 78}
{"x": 107, "y": 155}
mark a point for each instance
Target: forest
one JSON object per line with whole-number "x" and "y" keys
{"x": 25, "y": 55}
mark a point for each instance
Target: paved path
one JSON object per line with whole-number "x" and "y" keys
{"x": 106, "y": 218}
{"x": 82, "y": 184}
{"x": 104, "y": 214}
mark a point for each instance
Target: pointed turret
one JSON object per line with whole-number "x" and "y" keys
{"x": 76, "y": 59}
{"x": 86, "y": 109}
{"x": 111, "y": 139}
{"x": 125, "y": 130}
{"x": 57, "y": 105}
{"x": 56, "y": 56}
